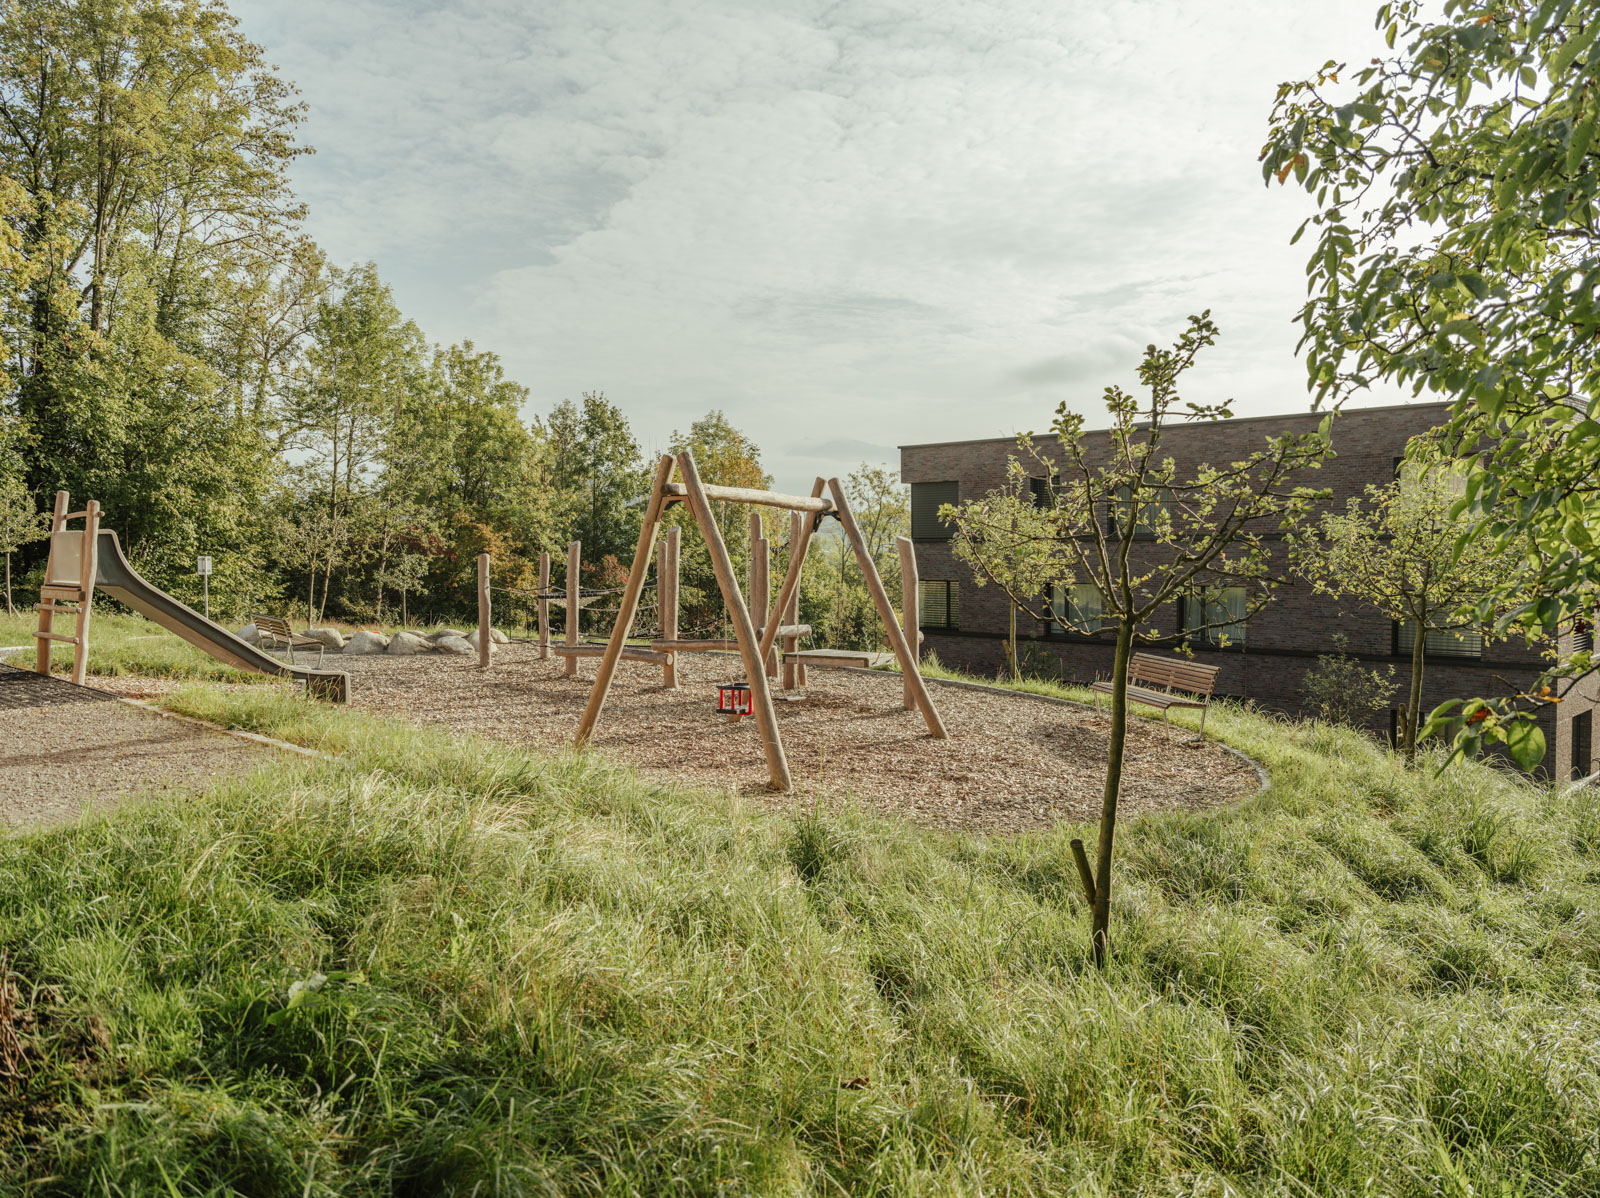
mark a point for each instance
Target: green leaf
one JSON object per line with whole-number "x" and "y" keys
{"x": 1579, "y": 146}
{"x": 1570, "y": 49}
{"x": 1525, "y": 741}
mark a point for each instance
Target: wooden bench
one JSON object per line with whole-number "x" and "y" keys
{"x": 1146, "y": 672}
{"x": 277, "y": 630}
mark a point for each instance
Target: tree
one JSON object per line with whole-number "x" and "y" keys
{"x": 20, "y": 523}
{"x": 1457, "y": 183}
{"x": 315, "y": 539}
{"x": 1340, "y": 690}
{"x": 403, "y": 573}
{"x": 1001, "y": 540}
{"x": 1400, "y": 550}
{"x": 596, "y": 471}
{"x": 1194, "y": 537}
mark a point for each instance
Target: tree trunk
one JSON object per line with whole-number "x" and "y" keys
{"x": 10, "y": 611}
{"x": 1016, "y": 672}
{"x": 1414, "y": 702}
{"x": 1108, "y": 804}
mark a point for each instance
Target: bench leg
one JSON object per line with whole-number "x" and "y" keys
{"x": 1203, "y": 711}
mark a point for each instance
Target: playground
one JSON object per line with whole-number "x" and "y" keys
{"x": 1011, "y": 761}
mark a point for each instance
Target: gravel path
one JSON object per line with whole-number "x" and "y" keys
{"x": 67, "y": 748}
{"x": 1010, "y": 763}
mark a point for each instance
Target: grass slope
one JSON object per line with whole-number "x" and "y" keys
{"x": 445, "y": 967}
{"x": 120, "y": 644}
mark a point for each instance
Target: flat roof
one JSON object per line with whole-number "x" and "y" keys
{"x": 1392, "y": 407}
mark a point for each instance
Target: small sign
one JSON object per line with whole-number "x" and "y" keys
{"x": 203, "y": 565}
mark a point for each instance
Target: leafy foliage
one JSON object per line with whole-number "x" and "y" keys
{"x": 1340, "y": 690}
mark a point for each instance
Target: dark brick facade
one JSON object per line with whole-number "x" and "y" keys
{"x": 1283, "y": 640}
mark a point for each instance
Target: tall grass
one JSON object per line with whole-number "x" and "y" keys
{"x": 120, "y": 644}
{"x": 437, "y": 966}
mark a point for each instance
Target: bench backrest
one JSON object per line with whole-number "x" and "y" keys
{"x": 1150, "y": 670}
{"x": 273, "y": 626}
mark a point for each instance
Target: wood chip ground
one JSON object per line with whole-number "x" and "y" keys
{"x": 1011, "y": 763}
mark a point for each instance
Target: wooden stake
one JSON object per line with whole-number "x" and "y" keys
{"x": 791, "y": 579}
{"x": 544, "y": 607}
{"x": 792, "y": 671}
{"x": 667, "y": 600}
{"x": 750, "y": 651}
{"x": 880, "y": 597}
{"x": 90, "y": 557}
{"x": 761, "y": 586}
{"x": 41, "y": 657}
{"x": 628, "y": 607}
{"x": 908, "y": 611}
{"x": 485, "y": 641}
{"x": 574, "y": 605}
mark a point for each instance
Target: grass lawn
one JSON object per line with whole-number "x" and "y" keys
{"x": 119, "y": 644}
{"x": 440, "y": 966}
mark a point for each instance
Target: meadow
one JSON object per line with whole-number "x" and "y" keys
{"x": 440, "y": 966}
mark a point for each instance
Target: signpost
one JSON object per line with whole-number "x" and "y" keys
{"x": 203, "y": 567}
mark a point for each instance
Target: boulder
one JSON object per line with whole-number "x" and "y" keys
{"x": 495, "y": 638}
{"x": 455, "y": 644}
{"x": 364, "y": 642}
{"x": 444, "y": 632}
{"x": 329, "y": 637}
{"x": 404, "y": 644}
{"x": 249, "y": 635}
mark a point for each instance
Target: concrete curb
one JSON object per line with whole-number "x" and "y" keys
{"x": 254, "y": 737}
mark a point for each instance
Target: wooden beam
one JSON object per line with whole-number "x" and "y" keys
{"x": 485, "y": 641}
{"x": 628, "y": 607}
{"x": 880, "y": 597}
{"x": 544, "y": 607}
{"x": 788, "y": 593}
{"x": 908, "y": 611}
{"x": 744, "y": 629}
{"x": 761, "y": 587}
{"x": 679, "y": 646}
{"x": 793, "y": 672}
{"x": 574, "y": 600}
{"x": 629, "y": 653}
{"x": 90, "y": 557}
{"x": 796, "y": 503}
{"x": 667, "y": 600}
{"x": 41, "y": 656}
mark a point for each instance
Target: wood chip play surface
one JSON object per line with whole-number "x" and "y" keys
{"x": 1011, "y": 762}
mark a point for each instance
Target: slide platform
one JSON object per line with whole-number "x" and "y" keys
{"x": 117, "y": 578}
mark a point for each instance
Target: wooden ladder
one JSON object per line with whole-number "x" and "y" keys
{"x": 68, "y": 584}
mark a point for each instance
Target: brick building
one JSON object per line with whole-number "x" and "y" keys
{"x": 1268, "y": 656}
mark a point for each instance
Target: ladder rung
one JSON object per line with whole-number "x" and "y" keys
{"x": 55, "y": 636}
{"x": 83, "y": 515}
{"x": 69, "y": 607}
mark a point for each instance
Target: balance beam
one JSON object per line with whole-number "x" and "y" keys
{"x": 628, "y": 654}
{"x": 675, "y": 493}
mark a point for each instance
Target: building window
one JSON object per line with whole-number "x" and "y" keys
{"x": 926, "y": 500}
{"x": 1582, "y": 745}
{"x": 938, "y": 604}
{"x": 1079, "y": 608}
{"x": 1440, "y": 642}
{"x": 1041, "y": 492}
{"x": 1217, "y": 616}
{"x": 1582, "y": 636}
{"x": 1155, "y": 511}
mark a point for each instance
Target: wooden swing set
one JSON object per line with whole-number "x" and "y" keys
{"x": 755, "y": 644}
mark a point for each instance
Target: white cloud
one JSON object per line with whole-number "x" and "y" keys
{"x": 858, "y": 224}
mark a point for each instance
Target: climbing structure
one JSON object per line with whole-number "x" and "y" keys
{"x": 755, "y": 644}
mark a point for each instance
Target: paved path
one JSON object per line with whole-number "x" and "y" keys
{"x": 64, "y": 748}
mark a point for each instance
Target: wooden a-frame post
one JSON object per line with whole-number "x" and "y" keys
{"x": 880, "y": 597}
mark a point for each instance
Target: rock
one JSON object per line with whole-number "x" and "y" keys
{"x": 495, "y": 638}
{"x": 329, "y": 637}
{"x": 364, "y": 642}
{"x": 249, "y": 635}
{"x": 444, "y": 632}
{"x": 455, "y": 644}
{"x": 404, "y": 644}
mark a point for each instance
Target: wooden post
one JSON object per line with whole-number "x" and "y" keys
{"x": 752, "y": 653}
{"x": 485, "y": 641}
{"x": 574, "y": 568}
{"x": 794, "y": 672}
{"x": 629, "y": 605}
{"x": 880, "y": 597}
{"x": 791, "y": 577}
{"x": 667, "y": 601}
{"x": 909, "y": 623}
{"x": 41, "y": 658}
{"x": 544, "y": 607}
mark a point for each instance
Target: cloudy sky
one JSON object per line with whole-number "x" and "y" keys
{"x": 849, "y": 225}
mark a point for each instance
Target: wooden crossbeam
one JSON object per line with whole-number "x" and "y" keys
{"x": 797, "y": 503}
{"x": 629, "y": 652}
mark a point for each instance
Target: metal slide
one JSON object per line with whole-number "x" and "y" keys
{"x": 117, "y": 578}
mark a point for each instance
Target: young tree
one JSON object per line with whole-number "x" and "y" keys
{"x": 314, "y": 539}
{"x": 596, "y": 471}
{"x": 20, "y": 523}
{"x": 1457, "y": 184}
{"x": 1124, "y": 521}
{"x": 1001, "y": 540}
{"x": 1340, "y": 690}
{"x": 1401, "y": 551}
{"x": 403, "y": 573}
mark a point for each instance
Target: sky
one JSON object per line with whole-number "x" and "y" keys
{"x": 848, "y": 226}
